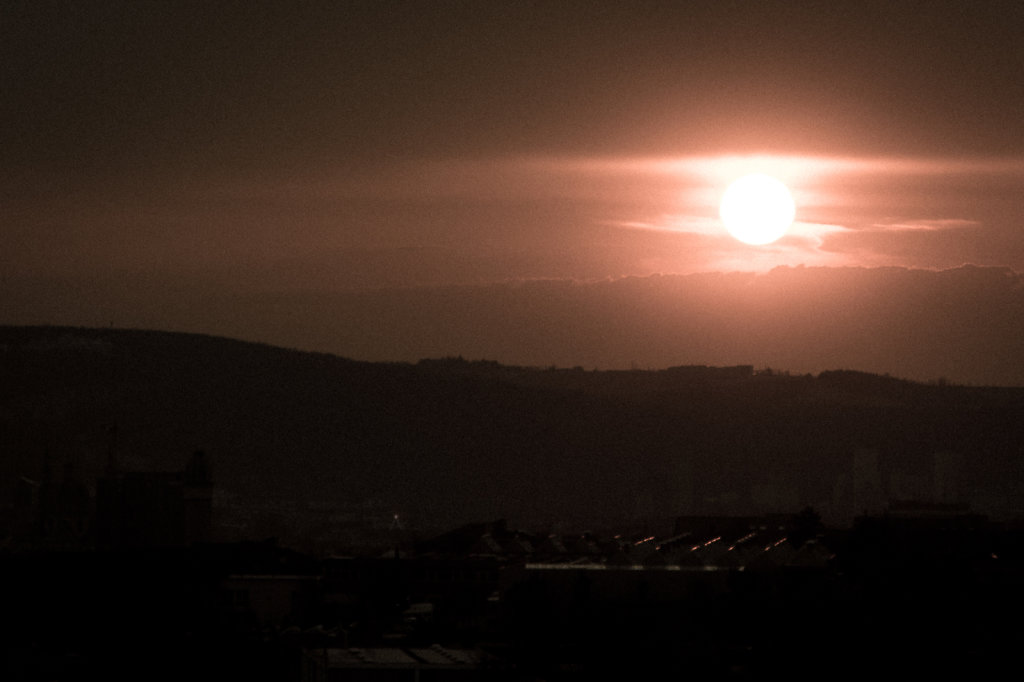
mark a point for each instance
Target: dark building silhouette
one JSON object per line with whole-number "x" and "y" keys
{"x": 54, "y": 511}
{"x": 155, "y": 509}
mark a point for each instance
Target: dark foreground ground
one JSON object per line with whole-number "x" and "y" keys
{"x": 886, "y": 596}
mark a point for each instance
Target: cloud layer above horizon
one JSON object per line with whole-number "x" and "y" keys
{"x": 449, "y": 221}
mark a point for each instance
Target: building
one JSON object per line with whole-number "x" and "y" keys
{"x": 155, "y": 509}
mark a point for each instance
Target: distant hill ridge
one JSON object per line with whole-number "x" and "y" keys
{"x": 452, "y": 440}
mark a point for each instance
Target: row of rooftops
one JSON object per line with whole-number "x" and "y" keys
{"x": 435, "y": 656}
{"x": 742, "y": 544}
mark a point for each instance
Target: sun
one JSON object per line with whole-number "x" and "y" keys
{"x": 757, "y": 209}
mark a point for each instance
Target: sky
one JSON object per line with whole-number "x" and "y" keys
{"x": 223, "y": 167}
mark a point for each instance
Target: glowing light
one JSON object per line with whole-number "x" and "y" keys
{"x": 757, "y": 209}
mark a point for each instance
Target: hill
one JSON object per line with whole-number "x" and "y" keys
{"x": 448, "y": 441}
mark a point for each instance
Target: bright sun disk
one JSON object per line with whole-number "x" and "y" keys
{"x": 757, "y": 209}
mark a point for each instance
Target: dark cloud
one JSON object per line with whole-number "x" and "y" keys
{"x": 114, "y": 87}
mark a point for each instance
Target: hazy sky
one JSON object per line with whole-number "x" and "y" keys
{"x": 267, "y": 147}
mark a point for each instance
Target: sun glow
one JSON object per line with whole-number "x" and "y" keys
{"x": 757, "y": 209}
